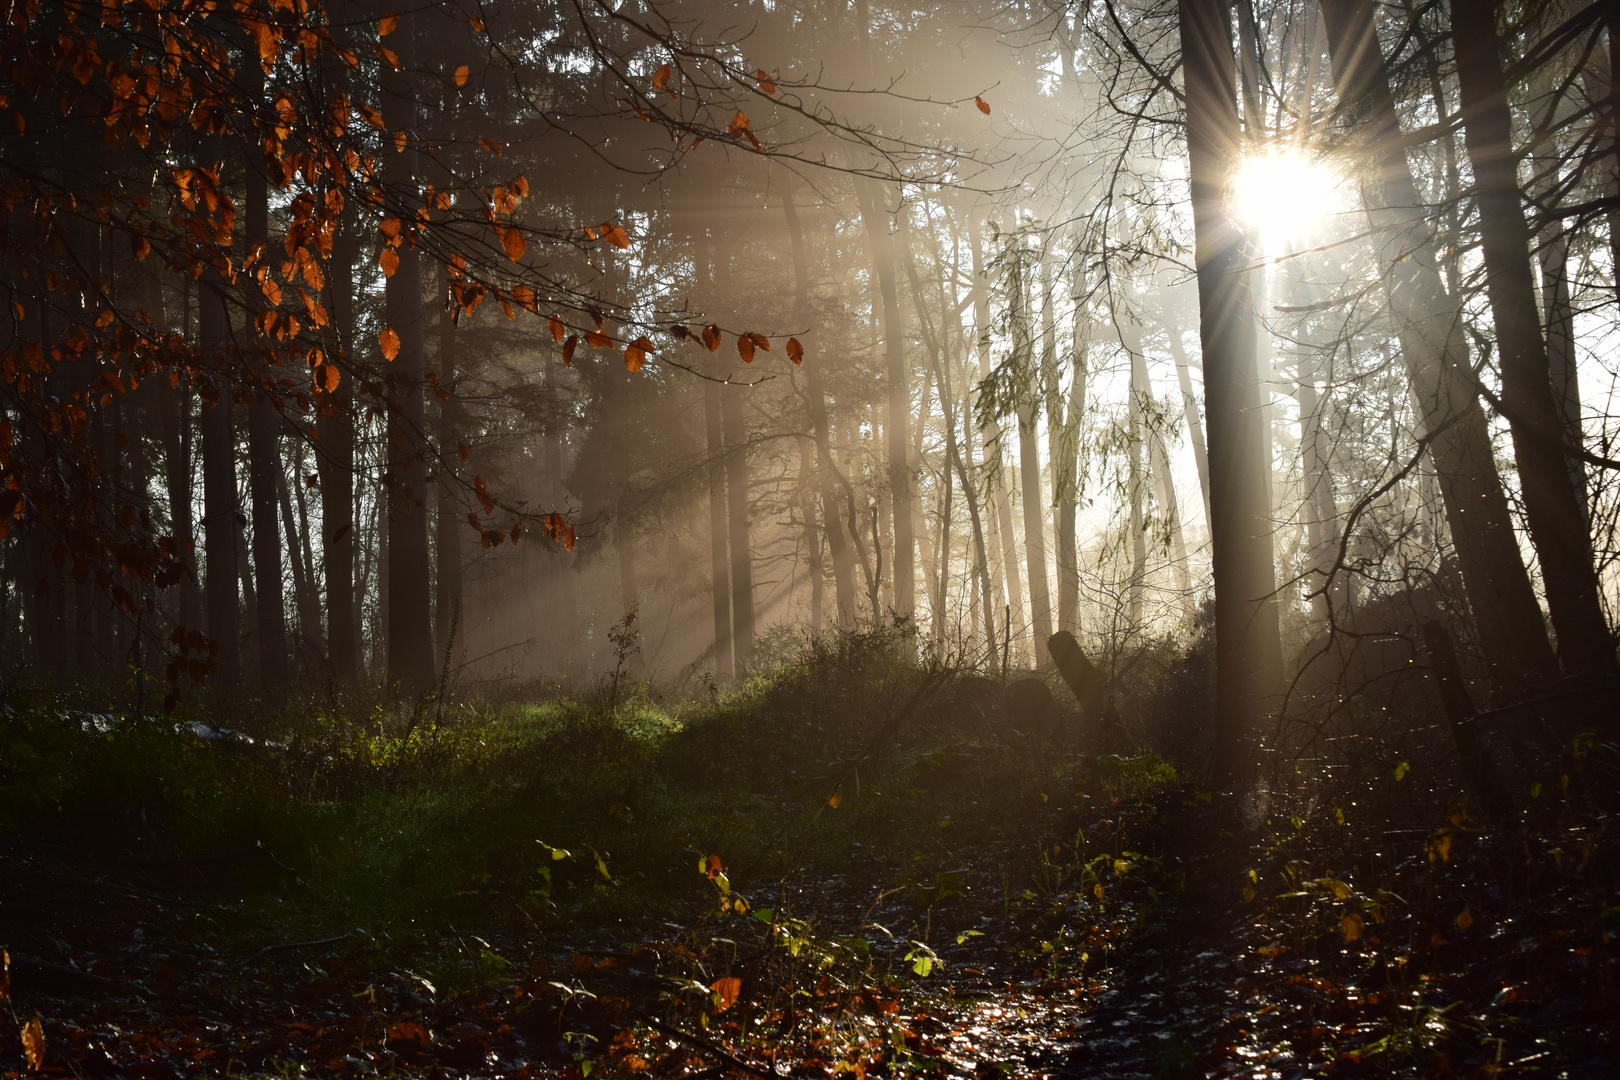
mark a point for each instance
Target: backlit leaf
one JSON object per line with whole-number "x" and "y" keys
{"x": 615, "y": 235}
{"x": 388, "y": 24}
{"x": 795, "y": 350}
{"x": 597, "y": 340}
{"x": 661, "y": 77}
{"x": 388, "y": 259}
{"x": 514, "y": 243}
{"x": 327, "y": 377}
{"x": 834, "y": 801}
{"x": 1351, "y": 927}
{"x": 462, "y": 73}
{"x": 635, "y": 354}
{"x": 766, "y": 83}
{"x": 388, "y": 56}
{"x": 388, "y": 341}
{"x": 712, "y": 867}
{"x": 555, "y": 325}
{"x": 33, "y": 1040}
{"x": 984, "y": 106}
{"x": 725, "y": 992}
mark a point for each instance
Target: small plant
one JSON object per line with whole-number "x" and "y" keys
{"x": 626, "y": 641}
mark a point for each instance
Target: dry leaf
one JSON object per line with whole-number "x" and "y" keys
{"x": 597, "y": 340}
{"x": 711, "y": 337}
{"x": 745, "y": 348}
{"x": 388, "y": 340}
{"x": 1465, "y": 920}
{"x": 635, "y": 354}
{"x": 1351, "y": 927}
{"x": 462, "y": 74}
{"x": 725, "y": 992}
{"x": 568, "y": 350}
{"x": 795, "y": 350}
{"x": 388, "y": 24}
{"x": 984, "y": 106}
{"x": 555, "y": 325}
{"x": 834, "y": 801}
{"x": 389, "y": 56}
{"x": 661, "y": 77}
{"x": 760, "y": 341}
{"x": 766, "y": 83}
{"x": 514, "y": 243}
{"x": 388, "y": 259}
{"x": 33, "y": 1040}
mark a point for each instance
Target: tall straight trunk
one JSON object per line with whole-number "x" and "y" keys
{"x": 719, "y": 523}
{"x": 450, "y": 520}
{"x": 1429, "y": 324}
{"x": 174, "y": 405}
{"x": 1009, "y": 590}
{"x": 1248, "y": 646}
{"x": 898, "y": 424}
{"x": 1136, "y": 482}
{"x": 812, "y": 532}
{"x": 1189, "y": 405}
{"x": 307, "y": 603}
{"x": 1063, "y": 432}
{"x": 410, "y": 618}
{"x": 219, "y": 491}
{"x": 1553, "y": 508}
{"x": 264, "y": 455}
{"x": 734, "y": 426}
{"x": 1321, "y": 508}
{"x": 1029, "y": 479}
{"x": 335, "y": 467}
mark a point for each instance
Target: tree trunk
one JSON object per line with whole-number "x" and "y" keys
{"x": 1063, "y": 432}
{"x": 174, "y": 405}
{"x": 264, "y": 455}
{"x": 897, "y": 426}
{"x": 1429, "y": 325}
{"x": 1248, "y": 664}
{"x": 1009, "y": 592}
{"x": 719, "y": 523}
{"x": 410, "y": 620}
{"x": 219, "y": 491}
{"x": 450, "y": 520}
{"x": 1554, "y": 510}
{"x": 1189, "y": 404}
{"x": 335, "y": 466}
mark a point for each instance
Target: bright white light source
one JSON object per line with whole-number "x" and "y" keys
{"x": 1284, "y": 195}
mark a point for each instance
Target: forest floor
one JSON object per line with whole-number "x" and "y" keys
{"x": 595, "y": 891}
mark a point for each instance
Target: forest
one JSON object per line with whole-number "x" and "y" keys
{"x": 552, "y": 537}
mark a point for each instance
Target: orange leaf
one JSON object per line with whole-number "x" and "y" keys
{"x": 725, "y": 992}
{"x": 477, "y": 23}
{"x": 389, "y": 56}
{"x": 568, "y": 350}
{"x": 390, "y": 228}
{"x": 388, "y": 340}
{"x": 514, "y": 243}
{"x": 388, "y": 24}
{"x": 745, "y": 348}
{"x": 766, "y": 83}
{"x": 327, "y": 377}
{"x": 739, "y": 124}
{"x": 555, "y": 325}
{"x": 661, "y": 77}
{"x": 401, "y": 140}
{"x": 984, "y": 106}
{"x": 491, "y": 145}
{"x": 635, "y": 354}
{"x": 33, "y": 1040}
{"x": 524, "y": 296}
{"x": 760, "y": 340}
{"x": 711, "y": 337}
{"x": 1351, "y": 926}
{"x": 795, "y": 350}
{"x": 597, "y": 340}
{"x": 389, "y": 261}
{"x": 714, "y": 869}
{"x": 141, "y": 246}
{"x": 835, "y": 800}
{"x": 462, "y": 73}
{"x": 615, "y": 235}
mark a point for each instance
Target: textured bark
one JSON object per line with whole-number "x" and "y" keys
{"x": 219, "y": 493}
{"x": 410, "y": 627}
{"x": 1429, "y": 325}
{"x": 1553, "y": 508}
{"x": 1248, "y": 665}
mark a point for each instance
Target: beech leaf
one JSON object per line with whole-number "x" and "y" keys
{"x": 388, "y": 340}
{"x": 795, "y": 350}
{"x": 984, "y": 106}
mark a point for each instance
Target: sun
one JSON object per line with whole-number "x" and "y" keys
{"x": 1285, "y": 196}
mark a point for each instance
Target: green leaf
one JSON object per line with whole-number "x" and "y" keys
{"x": 1401, "y": 770}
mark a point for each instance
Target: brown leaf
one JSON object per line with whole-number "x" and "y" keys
{"x": 409, "y": 1035}
{"x": 568, "y": 350}
{"x": 766, "y": 83}
{"x": 714, "y": 869}
{"x": 745, "y": 348}
{"x": 596, "y": 313}
{"x": 711, "y": 337}
{"x": 597, "y": 340}
{"x": 492, "y": 146}
{"x": 984, "y": 106}
{"x": 388, "y": 259}
{"x": 615, "y": 235}
{"x": 679, "y": 332}
{"x": 464, "y": 450}
{"x": 1351, "y": 927}
{"x": 401, "y": 140}
{"x": 525, "y": 298}
{"x": 388, "y": 340}
{"x": 795, "y": 350}
{"x": 635, "y": 354}
{"x": 555, "y": 325}
{"x": 462, "y": 73}
{"x": 760, "y": 340}
{"x": 739, "y": 124}
{"x": 327, "y": 377}
{"x": 514, "y": 243}
{"x": 661, "y": 77}
{"x": 388, "y": 56}
{"x": 33, "y": 1040}
{"x": 725, "y": 992}
{"x": 388, "y": 24}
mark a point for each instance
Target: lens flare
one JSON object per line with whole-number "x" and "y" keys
{"x": 1284, "y": 195}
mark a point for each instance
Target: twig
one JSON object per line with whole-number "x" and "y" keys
{"x": 286, "y": 945}
{"x": 708, "y": 1048}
